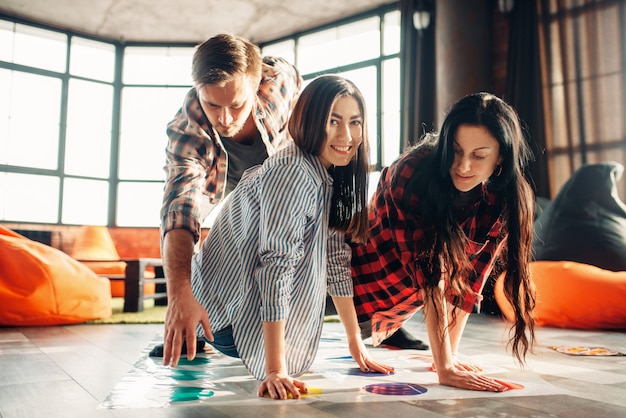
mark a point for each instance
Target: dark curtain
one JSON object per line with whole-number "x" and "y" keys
{"x": 417, "y": 73}
{"x": 524, "y": 87}
{"x": 583, "y": 68}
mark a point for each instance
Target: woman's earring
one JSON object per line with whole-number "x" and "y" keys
{"x": 499, "y": 171}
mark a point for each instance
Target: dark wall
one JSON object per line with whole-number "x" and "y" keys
{"x": 472, "y": 40}
{"x": 463, "y": 51}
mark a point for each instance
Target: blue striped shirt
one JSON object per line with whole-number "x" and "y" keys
{"x": 271, "y": 256}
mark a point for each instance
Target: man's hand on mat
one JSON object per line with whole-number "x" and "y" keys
{"x": 183, "y": 315}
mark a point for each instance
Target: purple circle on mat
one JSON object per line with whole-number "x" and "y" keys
{"x": 402, "y": 389}
{"x": 355, "y": 371}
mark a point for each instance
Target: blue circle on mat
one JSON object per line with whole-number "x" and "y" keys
{"x": 402, "y": 389}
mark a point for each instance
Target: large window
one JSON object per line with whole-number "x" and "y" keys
{"x": 82, "y": 120}
{"x": 81, "y": 141}
{"x": 365, "y": 50}
{"x": 155, "y": 81}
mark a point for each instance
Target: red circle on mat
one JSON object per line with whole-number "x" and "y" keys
{"x": 396, "y": 389}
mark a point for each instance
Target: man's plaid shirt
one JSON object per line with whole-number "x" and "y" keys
{"x": 196, "y": 163}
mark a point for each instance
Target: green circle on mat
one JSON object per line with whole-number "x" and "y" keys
{"x": 195, "y": 361}
{"x": 182, "y": 374}
{"x": 189, "y": 393}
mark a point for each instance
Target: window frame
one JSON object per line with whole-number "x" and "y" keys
{"x": 113, "y": 178}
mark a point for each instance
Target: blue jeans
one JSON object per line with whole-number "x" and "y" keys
{"x": 223, "y": 342}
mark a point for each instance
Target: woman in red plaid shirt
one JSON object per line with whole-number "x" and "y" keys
{"x": 442, "y": 214}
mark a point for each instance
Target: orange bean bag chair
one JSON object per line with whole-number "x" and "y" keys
{"x": 573, "y": 295}
{"x": 40, "y": 285}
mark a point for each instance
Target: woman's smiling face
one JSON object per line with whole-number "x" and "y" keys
{"x": 476, "y": 155}
{"x": 344, "y": 133}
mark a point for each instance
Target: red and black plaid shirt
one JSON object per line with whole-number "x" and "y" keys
{"x": 387, "y": 279}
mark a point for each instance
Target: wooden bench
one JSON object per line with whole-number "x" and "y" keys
{"x": 135, "y": 281}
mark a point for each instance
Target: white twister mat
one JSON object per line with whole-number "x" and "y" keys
{"x": 334, "y": 377}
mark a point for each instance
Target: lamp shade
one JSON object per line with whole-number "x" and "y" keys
{"x": 421, "y": 19}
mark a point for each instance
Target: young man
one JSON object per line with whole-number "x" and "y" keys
{"x": 233, "y": 118}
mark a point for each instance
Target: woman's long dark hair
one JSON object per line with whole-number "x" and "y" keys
{"x": 433, "y": 184}
{"x": 307, "y": 127}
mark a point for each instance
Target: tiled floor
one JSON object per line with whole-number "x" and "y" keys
{"x": 104, "y": 371}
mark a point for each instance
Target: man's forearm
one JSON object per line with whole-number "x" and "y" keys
{"x": 177, "y": 253}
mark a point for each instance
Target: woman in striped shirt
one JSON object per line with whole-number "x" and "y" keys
{"x": 277, "y": 247}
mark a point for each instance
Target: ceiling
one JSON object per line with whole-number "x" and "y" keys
{"x": 188, "y": 21}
